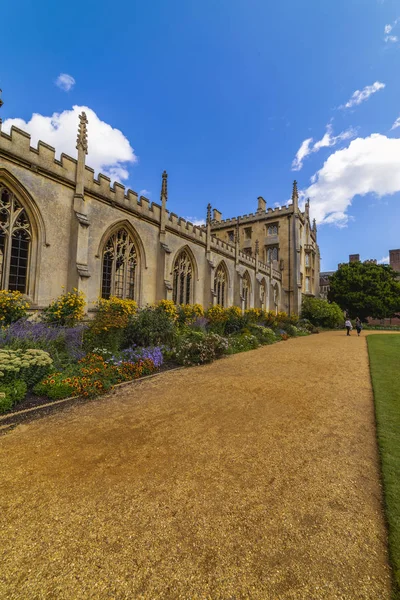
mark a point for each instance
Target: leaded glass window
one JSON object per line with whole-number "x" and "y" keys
{"x": 183, "y": 279}
{"x": 246, "y": 291}
{"x": 15, "y": 243}
{"x": 272, "y": 229}
{"x": 272, "y": 253}
{"x": 120, "y": 266}
{"x": 220, "y": 284}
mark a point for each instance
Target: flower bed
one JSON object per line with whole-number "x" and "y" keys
{"x": 123, "y": 343}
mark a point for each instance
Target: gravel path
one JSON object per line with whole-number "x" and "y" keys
{"x": 255, "y": 477}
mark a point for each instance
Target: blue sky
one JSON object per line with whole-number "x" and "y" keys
{"x": 223, "y": 95}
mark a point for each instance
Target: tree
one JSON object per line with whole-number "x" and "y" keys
{"x": 366, "y": 290}
{"x": 321, "y": 313}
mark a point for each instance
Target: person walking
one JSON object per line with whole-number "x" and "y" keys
{"x": 358, "y": 326}
{"x": 348, "y": 326}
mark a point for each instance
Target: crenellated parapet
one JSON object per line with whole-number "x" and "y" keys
{"x": 270, "y": 213}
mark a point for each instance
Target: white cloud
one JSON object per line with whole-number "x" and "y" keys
{"x": 384, "y": 260}
{"x": 396, "y": 124}
{"x": 109, "y": 150}
{"x": 368, "y": 166}
{"x": 65, "y": 82}
{"x": 388, "y": 30}
{"x": 145, "y": 193}
{"x": 326, "y": 141}
{"x": 302, "y": 152}
{"x": 195, "y": 220}
{"x": 362, "y": 95}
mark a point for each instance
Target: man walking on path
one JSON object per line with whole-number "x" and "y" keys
{"x": 358, "y": 326}
{"x": 348, "y": 326}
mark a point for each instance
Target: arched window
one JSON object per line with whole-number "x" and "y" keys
{"x": 120, "y": 266}
{"x": 246, "y": 291}
{"x": 263, "y": 295}
{"x": 15, "y": 243}
{"x": 221, "y": 284}
{"x": 183, "y": 279}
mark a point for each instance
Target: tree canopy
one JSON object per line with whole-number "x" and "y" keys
{"x": 366, "y": 290}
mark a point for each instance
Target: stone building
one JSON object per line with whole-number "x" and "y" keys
{"x": 61, "y": 227}
{"x": 283, "y": 238}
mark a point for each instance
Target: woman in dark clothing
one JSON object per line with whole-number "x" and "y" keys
{"x": 358, "y": 326}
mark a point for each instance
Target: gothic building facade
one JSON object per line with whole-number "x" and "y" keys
{"x": 63, "y": 228}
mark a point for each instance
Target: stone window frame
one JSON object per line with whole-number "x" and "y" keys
{"x": 121, "y": 245}
{"x": 231, "y": 235}
{"x": 140, "y": 251}
{"x": 185, "y": 272}
{"x": 271, "y": 250}
{"x": 248, "y": 233}
{"x": 37, "y": 232}
{"x": 272, "y": 229}
{"x": 221, "y": 284}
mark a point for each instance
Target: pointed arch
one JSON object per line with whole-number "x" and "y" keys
{"x": 221, "y": 284}
{"x": 22, "y": 234}
{"x": 122, "y": 256}
{"x": 246, "y": 290}
{"x": 264, "y": 293}
{"x": 184, "y": 275}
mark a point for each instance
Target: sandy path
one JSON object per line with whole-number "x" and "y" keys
{"x": 254, "y": 477}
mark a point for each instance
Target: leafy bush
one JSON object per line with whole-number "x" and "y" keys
{"x": 199, "y": 348}
{"x": 113, "y": 313}
{"x": 106, "y": 330}
{"x": 152, "y": 326}
{"x": 264, "y": 335}
{"x": 27, "y": 365}
{"x": 13, "y": 306}
{"x": 67, "y": 310}
{"x": 91, "y": 377}
{"x": 188, "y": 313}
{"x": 321, "y": 313}
{"x": 291, "y": 330}
{"x": 56, "y": 340}
{"x": 154, "y": 354}
{"x": 242, "y": 342}
{"x": 169, "y": 307}
{"x": 11, "y": 394}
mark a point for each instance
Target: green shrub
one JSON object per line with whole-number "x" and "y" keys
{"x": 321, "y": 313}
{"x": 11, "y": 394}
{"x": 290, "y": 329}
{"x": 67, "y": 310}
{"x": 13, "y": 307}
{"x": 29, "y": 365}
{"x": 198, "y": 348}
{"x": 151, "y": 326}
{"x": 242, "y": 342}
{"x": 264, "y": 335}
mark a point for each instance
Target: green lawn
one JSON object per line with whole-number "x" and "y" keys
{"x": 384, "y": 354}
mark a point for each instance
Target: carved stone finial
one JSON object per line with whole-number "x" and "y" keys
{"x": 295, "y": 193}
{"x": 81, "y": 140}
{"x": 257, "y": 247}
{"x": 164, "y": 186}
{"x": 208, "y": 213}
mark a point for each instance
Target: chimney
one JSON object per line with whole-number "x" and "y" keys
{"x": 262, "y": 205}
{"x": 217, "y": 215}
{"x": 354, "y": 258}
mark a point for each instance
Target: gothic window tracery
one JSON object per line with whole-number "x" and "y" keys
{"x": 220, "y": 285}
{"x": 246, "y": 291}
{"x": 182, "y": 279}
{"x": 120, "y": 266}
{"x": 15, "y": 243}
